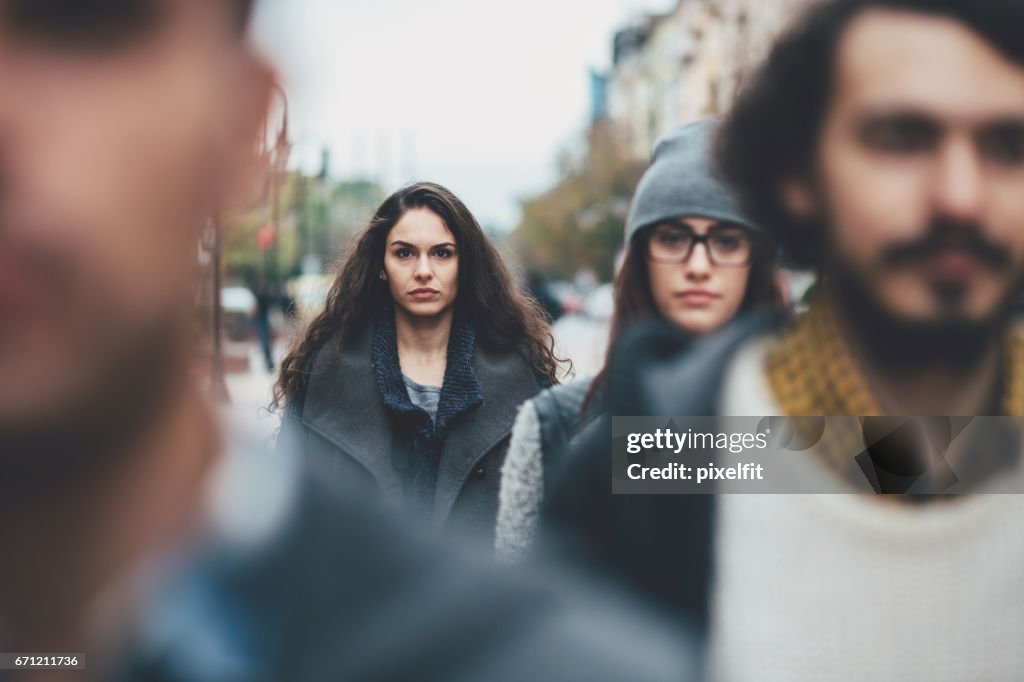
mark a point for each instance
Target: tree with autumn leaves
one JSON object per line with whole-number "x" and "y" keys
{"x": 579, "y": 222}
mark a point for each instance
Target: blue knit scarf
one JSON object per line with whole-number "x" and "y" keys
{"x": 460, "y": 393}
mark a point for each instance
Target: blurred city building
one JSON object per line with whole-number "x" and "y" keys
{"x": 674, "y": 68}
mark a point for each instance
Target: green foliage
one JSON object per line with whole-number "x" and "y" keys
{"x": 313, "y": 216}
{"x": 579, "y": 222}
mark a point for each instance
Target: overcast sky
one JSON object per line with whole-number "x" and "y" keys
{"x": 479, "y": 95}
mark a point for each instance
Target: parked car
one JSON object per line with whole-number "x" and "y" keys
{"x": 309, "y": 293}
{"x": 568, "y": 297}
{"x": 600, "y": 303}
{"x": 238, "y": 305}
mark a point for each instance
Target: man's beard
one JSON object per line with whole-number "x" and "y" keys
{"x": 951, "y": 341}
{"x": 91, "y": 431}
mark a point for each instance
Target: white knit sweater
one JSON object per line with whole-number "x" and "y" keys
{"x": 848, "y": 587}
{"x": 522, "y": 488}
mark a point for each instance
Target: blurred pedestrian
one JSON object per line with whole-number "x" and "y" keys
{"x": 138, "y": 537}
{"x": 411, "y": 377}
{"x": 540, "y": 289}
{"x": 693, "y": 260}
{"x": 266, "y": 298}
{"x": 883, "y": 143}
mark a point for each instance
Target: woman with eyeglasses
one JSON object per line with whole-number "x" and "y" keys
{"x": 691, "y": 260}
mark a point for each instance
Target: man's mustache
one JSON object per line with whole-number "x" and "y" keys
{"x": 944, "y": 235}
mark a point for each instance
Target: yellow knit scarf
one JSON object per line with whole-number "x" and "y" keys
{"x": 811, "y": 373}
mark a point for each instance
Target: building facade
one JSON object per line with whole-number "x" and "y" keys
{"x": 674, "y": 68}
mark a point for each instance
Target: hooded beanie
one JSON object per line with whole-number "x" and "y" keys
{"x": 682, "y": 180}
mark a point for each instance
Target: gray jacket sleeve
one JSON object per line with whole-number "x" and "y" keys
{"x": 522, "y": 487}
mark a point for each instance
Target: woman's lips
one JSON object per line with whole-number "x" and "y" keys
{"x": 697, "y": 298}
{"x": 424, "y": 293}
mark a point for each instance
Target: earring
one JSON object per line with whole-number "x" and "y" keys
{"x": 383, "y": 276}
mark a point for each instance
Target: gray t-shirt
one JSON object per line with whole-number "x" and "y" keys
{"x": 423, "y": 397}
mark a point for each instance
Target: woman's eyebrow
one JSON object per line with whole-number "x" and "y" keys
{"x": 413, "y": 246}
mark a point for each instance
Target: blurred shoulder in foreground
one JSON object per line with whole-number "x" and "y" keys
{"x": 298, "y": 580}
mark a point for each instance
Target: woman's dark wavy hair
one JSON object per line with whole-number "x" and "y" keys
{"x": 505, "y": 318}
{"x": 772, "y": 132}
{"x": 634, "y": 300}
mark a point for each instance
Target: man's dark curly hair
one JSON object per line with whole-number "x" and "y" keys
{"x": 772, "y": 132}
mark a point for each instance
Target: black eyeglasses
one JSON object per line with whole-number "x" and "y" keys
{"x": 728, "y": 246}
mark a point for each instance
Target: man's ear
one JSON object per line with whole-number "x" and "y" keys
{"x": 798, "y": 198}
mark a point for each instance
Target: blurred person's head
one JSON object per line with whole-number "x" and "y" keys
{"x": 125, "y": 125}
{"x": 692, "y": 257}
{"x": 883, "y": 143}
{"x": 423, "y": 255}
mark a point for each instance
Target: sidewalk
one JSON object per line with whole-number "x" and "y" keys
{"x": 250, "y": 394}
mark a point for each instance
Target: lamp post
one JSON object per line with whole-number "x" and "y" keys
{"x": 213, "y": 244}
{"x": 274, "y": 158}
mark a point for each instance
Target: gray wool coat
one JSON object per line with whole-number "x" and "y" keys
{"x": 343, "y": 427}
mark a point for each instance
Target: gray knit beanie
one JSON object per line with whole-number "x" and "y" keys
{"x": 682, "y": 180}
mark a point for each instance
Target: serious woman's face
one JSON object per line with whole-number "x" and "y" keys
{"x": 422, "y": 264}
{"x": 701, "y": 293}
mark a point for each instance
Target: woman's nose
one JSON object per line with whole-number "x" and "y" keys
{"x": 423, "y": 272}
{"x": 698, "y": 265}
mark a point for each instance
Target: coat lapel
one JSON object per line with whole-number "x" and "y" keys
{"x": 506, "y": 382}
{"x": 344, "y": 405}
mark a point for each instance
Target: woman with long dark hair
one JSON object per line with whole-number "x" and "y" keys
{"x": 411, "y": 376}
{"x": 692, "y": 260}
